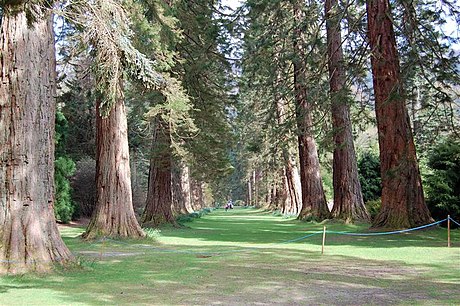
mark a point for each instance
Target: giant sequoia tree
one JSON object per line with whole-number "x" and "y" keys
{"x": 348, "y": 199}
{"x": 30, "y": 240}
{"x": 403, "y": 203}
{"x": 106, "y": 28}
{"x": 279, "y": 103}
{"x": 313, "y": 197}
{"x": 158, "y": 208}
{"x": 114, "y": 213}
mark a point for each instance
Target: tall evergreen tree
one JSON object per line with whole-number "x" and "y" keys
{"x": 348, "y": 199}
{"x": 313, "y": 197}
{"x": 403, "y": 203}
{"x": 106, "y": 28}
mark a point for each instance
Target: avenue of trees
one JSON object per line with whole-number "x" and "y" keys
{"x": 132, "y": 113}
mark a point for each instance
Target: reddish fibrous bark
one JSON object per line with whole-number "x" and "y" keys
{"x": 29, "y": 237}
{"x": 181, "y": 196}
{"x": 313, "y": 198}
{"x": 114, "y": 214}
{"x": 290, "y": 194}
{"x": 197, "y": 194}
{"x": 403, "y": 203}
{"x": 158, "y": 207}
{"x": 348, "y": 199}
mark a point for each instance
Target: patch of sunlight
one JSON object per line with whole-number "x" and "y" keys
{"x": 250, "y": 218}
{"x": 211, "y": 228}
{"x": 454, "y": 281}
{"x": 286, "y": 225}
{"x": 104, "y": 298}
{"x": 193, "y": 241}
{"x": 71, "y": 232}
{"x": 164, "y": 282}
{"x": 25, "y": 295}
{"x": 343, "y": 284}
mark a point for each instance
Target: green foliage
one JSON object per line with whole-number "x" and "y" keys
{"x": 64, "y": 168}
{"x": 369, "y": 176}
{"x": 373, "y": 207}
{"x": 105, "y": 26}
{"x": 64, "y": 207}
{"x": 79, "y": 110}
{"x": 194, "y": 215}
{"x": 429, "y": 66}
{"x": 442, "y": 182}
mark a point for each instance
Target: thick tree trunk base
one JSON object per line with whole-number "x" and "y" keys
{"x": 158, "y": 206}
{"x": 29, "y": 237}
{"x": 103, "y": 227}
{"x": 114, "y": 214}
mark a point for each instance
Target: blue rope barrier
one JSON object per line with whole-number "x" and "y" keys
{"x": 301, "y": 238}
{"x": 103, "y": 239}
{"x": 283, "y": 242}
{"x": 386, "y": 233}
{"x": 454, "y": 221}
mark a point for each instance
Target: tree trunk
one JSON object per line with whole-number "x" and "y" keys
{"x": 403, "y": 203}
{"x": 348, "y": 199}
{"x": 249, "y": 201}
{"x": 291, "y": 194}
{"x": 30, "y": 240}
{"x": 293, "y": 187}
{"x": 181, "y": 189}
{"x": 313, "y": 198}
{"x": 197, "y": 195}
{"x": 114, "y": 214}
{"x": 274, "y": 195}
{"x": 255, "y": 184}
{"x": 158, "y": 208}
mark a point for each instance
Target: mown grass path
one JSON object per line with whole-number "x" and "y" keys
{"x": 238, "y": 258}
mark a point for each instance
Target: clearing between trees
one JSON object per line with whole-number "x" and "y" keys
{"x": 240, "y": 257}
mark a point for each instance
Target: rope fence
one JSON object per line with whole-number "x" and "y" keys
{"x": 458, "y": 224}
{"x": 210, "y": 253}
{"x": 324, "y": 232}
{"x": 388, "y": 233}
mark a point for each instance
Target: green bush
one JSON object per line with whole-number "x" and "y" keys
{"x": 64, "y": 207}
{"x": 369, "y": 176}
{"x": 194, "y": 215}
{"x": 373, "y": 207}
{"x": 442, "y": 182}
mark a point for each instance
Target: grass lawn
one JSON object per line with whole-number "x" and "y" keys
{"x": 240, "y": 257}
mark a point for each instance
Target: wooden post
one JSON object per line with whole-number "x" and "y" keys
{"x": 448, "y": 231}
{"x": 101, "y": 250}
{"x": 324, "y": 240}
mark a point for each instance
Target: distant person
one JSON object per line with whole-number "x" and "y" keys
{"x": 229, "y": 205}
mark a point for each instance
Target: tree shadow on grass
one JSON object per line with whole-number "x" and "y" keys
{"x": 6, "y": 288}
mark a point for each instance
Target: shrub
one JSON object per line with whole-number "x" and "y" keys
{"x": 194, "y": 215}
{"x": 373, "y": 207}
{"x": 442, "y": 182}
{"x": 64, "y": 207}
{"x": 369, "y": 176}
